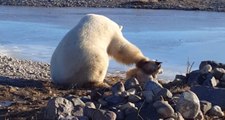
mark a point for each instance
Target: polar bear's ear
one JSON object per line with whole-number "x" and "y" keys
{"x": 121, "y": 27}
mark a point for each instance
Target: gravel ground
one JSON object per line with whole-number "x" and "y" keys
{"x": 206, "y": 5}
{"x": 26, "y": 88}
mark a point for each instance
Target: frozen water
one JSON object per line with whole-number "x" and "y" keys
{"x": 170, "y": 36}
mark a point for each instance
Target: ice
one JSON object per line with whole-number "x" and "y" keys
{"x": 173, "y": 37}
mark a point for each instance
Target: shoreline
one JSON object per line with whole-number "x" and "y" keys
{"x": 189, "y": 5}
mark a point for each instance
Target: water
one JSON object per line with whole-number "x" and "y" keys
{"x": 173, "y": 37}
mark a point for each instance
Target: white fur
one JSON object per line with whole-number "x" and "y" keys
{"x": 83, "y": 54}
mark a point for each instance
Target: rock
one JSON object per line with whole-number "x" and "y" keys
{"x": 120, "y": 115}
{"x": 200, "y": 116}
{"x": 180, "y": 78}
{"x": 131, "y": 83}
{"x": 205, "y": 106}
{"x": 61, "y": 117}
{"x": 212, "y": 63}
{"x": 216, "y": 111}
{"x": 131, "y": 110}
{"x": 131, "y": 91}
{"x": 97, "y": 114}
{"x": 125, "y": 94}
{"x": 86, "y": 98}
{"x": 165, "y": 93}
{"x": 188, "y": 105}
{"x": 75, "y": 100}
{"x": 90, "y": 105}
{"x": 164, "y": 109}
{"x": 95, "y": 95}
{"x": 213, "y": 95}
{"x": 82, "y": 118}
{"x": 148, "y": 95}
{"x": 128, "y": 105}
{"x": 206, "y": 69}
{"x": 118, "y": 88}
{"x": 153, "y": 86}
{"x": 114, "y": 99}
{"x": 223, "y": 78}
{"x": 178, "y": 116}
{"x": 58, "y": 107}
{"x": 134, "y": 98}
{"x": 102, "y": 102}
{"x": 78, "y": 111}
{"x": 193, "y": 78}
{"x": 218, "y": 73}
{"x": 210, "y": 81}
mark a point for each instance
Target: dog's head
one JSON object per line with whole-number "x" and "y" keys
{"x": 150, "y": 67}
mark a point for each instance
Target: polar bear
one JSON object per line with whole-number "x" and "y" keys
{"x": 82, "y": 57}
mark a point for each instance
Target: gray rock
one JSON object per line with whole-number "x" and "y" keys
{"x": 75, "y": 100}
{"x": 164, "y": 109}
{"x": 212, "y": 63}
{"x": 205, "y": 106}
{"x": 178, "y": 116}
{"x": 193, "y": 78}
{"x": 131, "y": 83}
{"x": 61, "y": 117}
{"x": 97, "y": 114}
{"x": 131, "y": 91}
{"x": 165, "y": 93}
{"x": 188, "y": 105}
{"x": 127, "y": 106}
{"x": 206, "y": 69}
{"x": 118, "y": 88}
{"x": 78, "y": 111}
{"x": 120, "y": 115}
{"x": 218, "y": 73}
{"x": 200, "y": 116}
{"x": 148, "y": 95}
{"x": 115, "y": 99}
{"x": 153, "y": 86}
{"x": 223, "y": 78}
{"x": 134, "y": 98}
{"x": 210, "y": 81}
{"x": 125, "y": 94}
{"x": 90, "y": 105}
{"x": 58, "y": 107}
{"x": 216, "y": 111}
{"x": 102, "y": 102}
{"x": 214, "y": 95}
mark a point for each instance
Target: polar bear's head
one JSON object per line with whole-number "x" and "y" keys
{"x": 150, "y": 67}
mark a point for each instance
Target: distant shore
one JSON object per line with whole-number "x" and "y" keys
{"x": 203, "y": 5}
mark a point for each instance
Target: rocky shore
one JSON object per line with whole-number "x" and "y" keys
{"x": 27, "y": 93}
{"x": 205, "y": 5}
